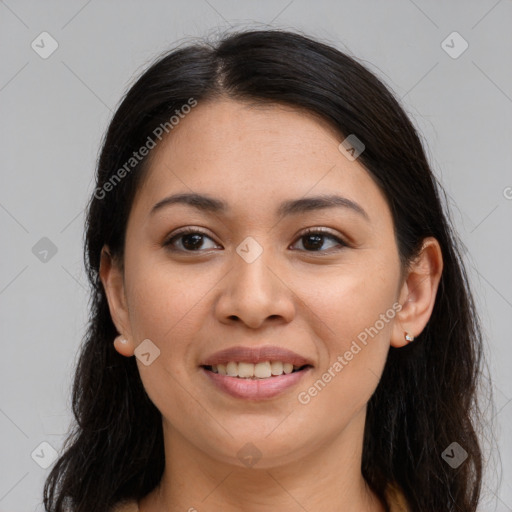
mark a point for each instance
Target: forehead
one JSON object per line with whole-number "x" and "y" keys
{"x": 254, "y": 156}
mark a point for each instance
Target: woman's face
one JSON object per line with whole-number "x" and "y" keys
{"x": 250, "y": 276}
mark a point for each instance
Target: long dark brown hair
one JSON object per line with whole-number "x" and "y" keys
{"x": 427, "y": 396}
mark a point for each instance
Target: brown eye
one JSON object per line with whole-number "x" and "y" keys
{"x": 189, "y": 240}
{"x": 315, "y": 241}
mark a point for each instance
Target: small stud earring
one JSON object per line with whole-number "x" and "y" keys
{"x": 409, "y": 337}
{"x": 121, "y": 340}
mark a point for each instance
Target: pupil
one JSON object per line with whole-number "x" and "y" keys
{"x": 317, "y": 241}
{"x": 197, "y": 240}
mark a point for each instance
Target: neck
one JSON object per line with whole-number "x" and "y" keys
{"x": 327, "y": 478}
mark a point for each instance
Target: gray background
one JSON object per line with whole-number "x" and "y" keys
{"x": 54, "y": 112}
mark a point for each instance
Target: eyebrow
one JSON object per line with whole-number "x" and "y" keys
{"x": 290, "y": 207}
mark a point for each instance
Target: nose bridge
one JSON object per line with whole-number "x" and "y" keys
{"x": 253, "y": 292}
{"x": 252, "y": 273}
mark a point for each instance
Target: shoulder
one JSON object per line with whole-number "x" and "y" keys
{"x": 396, "y": 499}
{"x": 126, "y": 506}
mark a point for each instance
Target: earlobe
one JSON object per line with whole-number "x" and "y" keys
{"x": 418, "y": 293}
{"x": 113, "y": 283}
{"x": 124, "y": 346}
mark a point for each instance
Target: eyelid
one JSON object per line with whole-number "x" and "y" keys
{"x": 325, "y": 231}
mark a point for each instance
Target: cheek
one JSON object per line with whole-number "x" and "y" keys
{"x": 354, "y": 316}
{"x": 349, "y": 302}
{"x": 166, "y": 305}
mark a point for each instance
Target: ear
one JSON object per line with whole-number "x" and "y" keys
{"x": 112, "y": 277}
{"x": 418, "y": 292}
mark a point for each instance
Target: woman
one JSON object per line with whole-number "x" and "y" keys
{"x": 280, "y": 318}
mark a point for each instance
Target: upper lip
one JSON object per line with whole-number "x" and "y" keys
{"x": 256, "y": 355}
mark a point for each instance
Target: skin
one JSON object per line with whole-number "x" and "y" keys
{"x": 192, "y": 304}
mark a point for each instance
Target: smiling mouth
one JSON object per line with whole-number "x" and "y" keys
{"x": 259, "y": 371}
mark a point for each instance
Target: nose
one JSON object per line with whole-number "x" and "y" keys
{"x": 255, "y": 293}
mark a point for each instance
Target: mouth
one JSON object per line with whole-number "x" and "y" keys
{"x": 255, "y": 382}
{"x": 255, "y": 373}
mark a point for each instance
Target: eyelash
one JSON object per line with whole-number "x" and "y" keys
{"x": 310, "y": 231}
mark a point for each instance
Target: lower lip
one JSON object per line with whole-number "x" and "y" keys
{"x": 255, "y": 389}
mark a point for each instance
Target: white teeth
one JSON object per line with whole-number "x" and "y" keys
{"x": 232, "y": 369}
{"x": 262, "y": 370}
{"x": 288, "y": 367}
{"x": 245, "y": 369}
{"x": 277, "y": 367}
